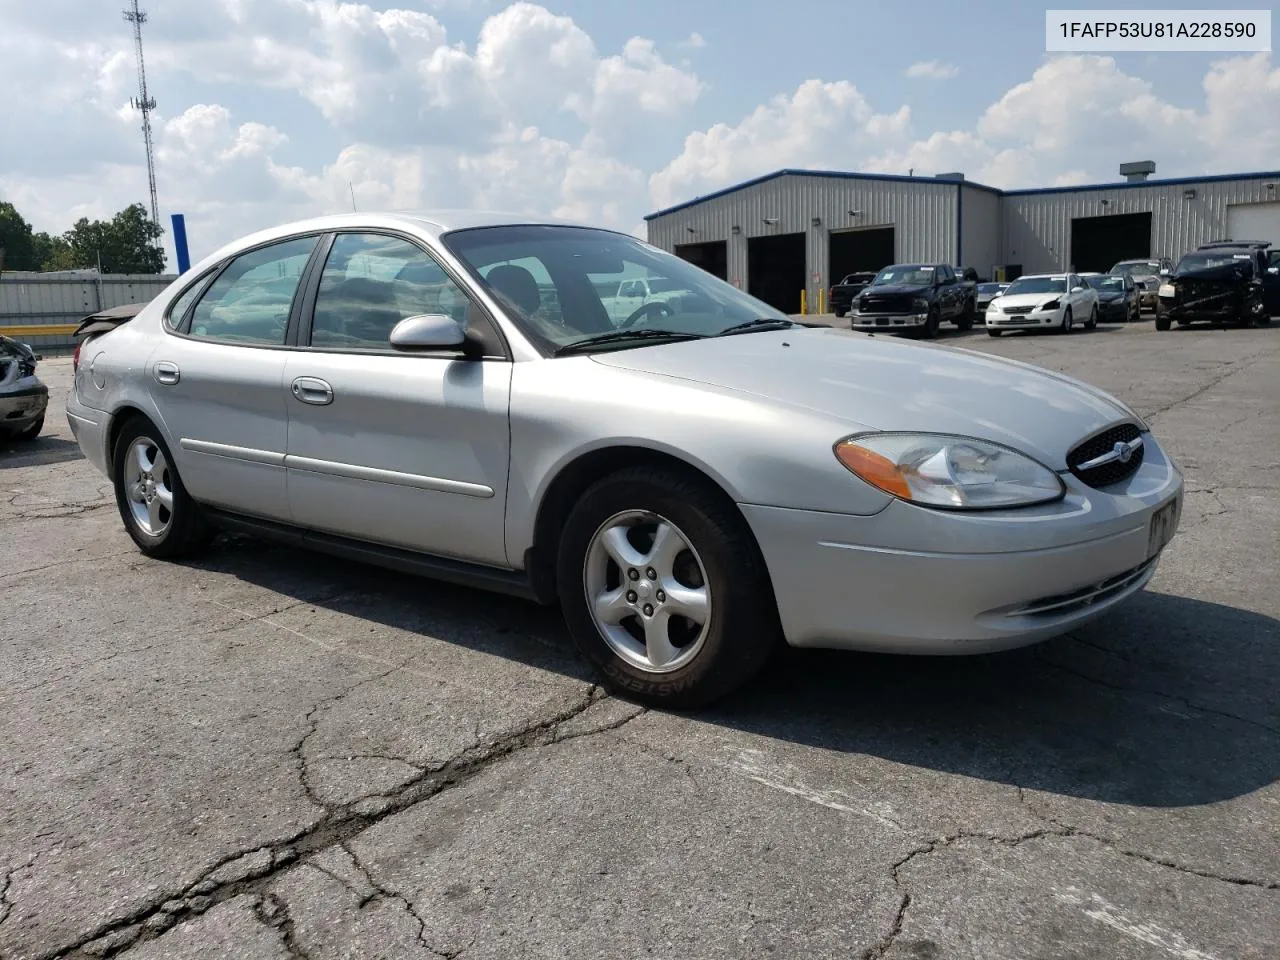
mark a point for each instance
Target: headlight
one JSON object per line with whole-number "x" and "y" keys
{"x": 952, "y": 472}
{"x": 920, "y": 304}
{"x": 1167, "y": 290}
{"x": 1051, "y": 305}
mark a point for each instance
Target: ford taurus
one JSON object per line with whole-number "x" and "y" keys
{"x": 694, "y": 482}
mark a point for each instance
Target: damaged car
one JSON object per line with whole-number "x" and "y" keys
{"x": 1217, "y": 283}
{"x": 23, "y": 398}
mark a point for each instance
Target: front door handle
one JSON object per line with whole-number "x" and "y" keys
{"x": 313, "y": 390}
{"x": 167, "y": 373}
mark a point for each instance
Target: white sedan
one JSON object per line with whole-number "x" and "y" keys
{"x": 1053, "y": 300}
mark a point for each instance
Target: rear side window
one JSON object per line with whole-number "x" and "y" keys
{"x": 178, "y": 309}
{"x": 251, "y": 300}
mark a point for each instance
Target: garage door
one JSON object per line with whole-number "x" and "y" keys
{"x": 1254, "y": 221}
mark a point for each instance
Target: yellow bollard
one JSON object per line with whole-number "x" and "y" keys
{"x": 822, "y": 301}
{"x": 804, "y": 302}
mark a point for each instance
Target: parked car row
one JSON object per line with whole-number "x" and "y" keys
{"x": 1227, "y": 281}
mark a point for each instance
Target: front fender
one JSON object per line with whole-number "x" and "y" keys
{"x": 757, "y": 451}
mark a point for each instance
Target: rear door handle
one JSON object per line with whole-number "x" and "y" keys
{"x": 167, "y": 373}
{"x": 313, "y": 390}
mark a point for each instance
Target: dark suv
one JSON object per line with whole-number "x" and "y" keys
{"x": 1231, "y": 282}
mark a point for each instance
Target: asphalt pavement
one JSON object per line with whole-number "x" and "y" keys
{"x": 269, "y": 753}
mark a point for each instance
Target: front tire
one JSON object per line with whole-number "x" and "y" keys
{"x": 31, "y": 432}
{"x": 158, "y": 513}
{"x": 1162, "y": 320}
{"x": 1093, "y": 319}
{"x": 1066, "y": 321}
{"x": 965, "y": 320}
{"x": 930, "y": 329}
{"x": 664, "y": 588}
{"x": 993, "y": 332}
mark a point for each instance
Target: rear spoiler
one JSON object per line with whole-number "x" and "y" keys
{"x": 107, "y": 320}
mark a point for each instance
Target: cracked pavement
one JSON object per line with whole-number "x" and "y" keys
{"x": 269, "y": 753}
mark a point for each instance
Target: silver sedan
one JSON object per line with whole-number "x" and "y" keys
{"x": 694, "y": 480}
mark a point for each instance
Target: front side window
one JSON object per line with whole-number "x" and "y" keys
{"x": 251, "y": 300}
{"x": 370, "y": 283}
{"x": 565, "y": 285}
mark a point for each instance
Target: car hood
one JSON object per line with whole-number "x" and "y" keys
{"x": 883, "y": 383}
{"x": 1029, "y": 299}
{"x": 896, "y": 288}
{"x": 1109, "y": 296}
{"x": 1228, "y": 273}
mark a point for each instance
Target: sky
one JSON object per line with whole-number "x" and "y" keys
{"x": 596, "y": 110}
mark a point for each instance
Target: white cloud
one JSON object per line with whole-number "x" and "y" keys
{"x": 820, "y": 125}
{"x": 932, "y": 70}
{"x": 302, "y": 98}
{"x": 695, "y": 41}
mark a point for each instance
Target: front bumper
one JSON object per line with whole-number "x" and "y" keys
{"x": 879, "y": 321}
{"x": 22, "y": 404}
{"x": 1114, "y": 311}
{"x": 920, "y": 581}
{"x": 1036, "y": 318}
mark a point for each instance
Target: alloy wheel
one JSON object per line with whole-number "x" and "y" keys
{"x": 648, "y": 591}
{"x": 148, "y": 487}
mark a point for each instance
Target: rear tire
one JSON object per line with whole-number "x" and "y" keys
{"x": 158, "y": 513}
{"x": 699, "y": 619}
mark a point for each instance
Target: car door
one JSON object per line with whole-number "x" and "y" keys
{"x": 1079, "y": 296}
{"x": 403, "y": 449}
{"x": 217, "y": 378}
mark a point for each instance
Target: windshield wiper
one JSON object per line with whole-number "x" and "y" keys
{"x": 621, "y": 336}
{"x": 764, "y": 323}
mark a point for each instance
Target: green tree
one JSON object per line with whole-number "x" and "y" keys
{"x": 16, "y": 240}
{"x": 127, "y": 243}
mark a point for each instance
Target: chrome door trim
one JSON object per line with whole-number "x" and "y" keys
{"x": 353, "y": 472}
{"x": 228, "y": 452}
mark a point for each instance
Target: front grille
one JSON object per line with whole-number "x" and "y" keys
{"x": 1017, "y": 311}
{"x": 885, "y": 304}
{"x": 1100, "y": 445}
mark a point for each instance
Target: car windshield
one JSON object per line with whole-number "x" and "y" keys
{"x": 1037, "y": 285}
{"x": 1136, "y": 269}
{"x": 988, "y": 288}
{"x": 565, "y": 285}
{"x": 1112, "y": 283}
{"x": 1208, "y": 261}
{"x": 911, "y": 275}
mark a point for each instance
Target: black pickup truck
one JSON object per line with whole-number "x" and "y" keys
{"x": 841, "y": 295}
{"x": 914, "y": 298}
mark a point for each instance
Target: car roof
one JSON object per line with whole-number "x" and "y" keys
{"x": 1235, "y": 245}
{"x": 433, "y": 222}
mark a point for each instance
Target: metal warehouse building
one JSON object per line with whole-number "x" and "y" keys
{"x": 797, "y": 230}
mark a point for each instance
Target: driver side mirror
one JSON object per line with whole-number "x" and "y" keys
{"x": 1077, "y": 289}
{"x": 1274, "y": 271}
{"x": 431, "y": 331}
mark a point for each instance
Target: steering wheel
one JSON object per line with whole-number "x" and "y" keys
{"x": 653, "y": 306}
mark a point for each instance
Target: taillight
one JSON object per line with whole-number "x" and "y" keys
{"x": 75, "y": 357}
